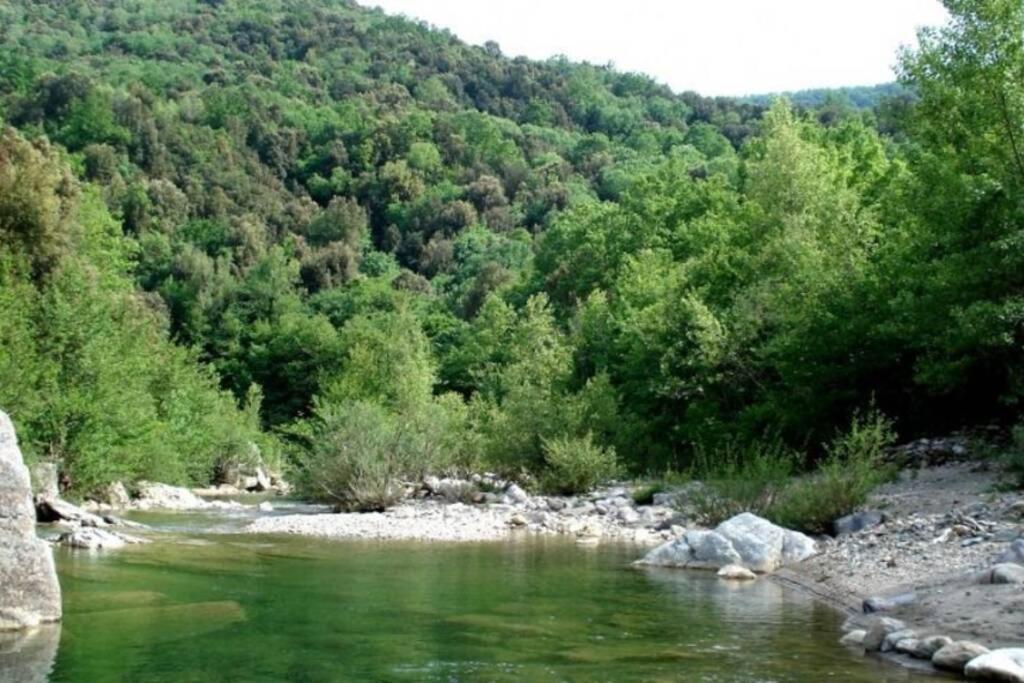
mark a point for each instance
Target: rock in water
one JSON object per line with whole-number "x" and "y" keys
{"x": 999, "y": 665}
{"x": 29, "y": 592}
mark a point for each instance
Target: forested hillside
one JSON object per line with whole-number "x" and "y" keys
{"x": 310, "y": 230}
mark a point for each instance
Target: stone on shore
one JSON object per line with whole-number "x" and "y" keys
{"x": 858, "y": 521}
{"x": 156, "y": 496}
{"x": 1006, "y": 666}
{"x": 29, "y": 592}
{"x": 879, "y": 629}
{"x": 1014, "y": 554}
{"x": 956, "y": 655}
{"x": 745, "y": 540}
{"x": 1005, "y": 573}
{"x": 57, "y": 510}
{"x": 922, "y": 648}
{"x": 887, "y": 604}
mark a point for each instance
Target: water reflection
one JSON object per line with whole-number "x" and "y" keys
{"x": 29, "y": 656}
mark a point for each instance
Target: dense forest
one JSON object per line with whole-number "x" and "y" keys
{"x": 349, "y": 244}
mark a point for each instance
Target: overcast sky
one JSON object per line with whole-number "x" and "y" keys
{"x": 716, "y": 47}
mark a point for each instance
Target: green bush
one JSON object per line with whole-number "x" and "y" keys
{"x": 359, "y": 454}
{"x": 356, "y": 457}
{"x": 760, "y": 479}
{"x": 577, "y": 464}
{"x": 740, "y": 478}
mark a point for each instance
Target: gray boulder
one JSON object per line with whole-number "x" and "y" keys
{"x": 1005, "y": 665}
{"x": 858, "y": 521}
{"x": 1004, "y": 573}
{"x": 29, "y": 592}
{"x": 954, "y": 657}
{"x": 763, "y": 546}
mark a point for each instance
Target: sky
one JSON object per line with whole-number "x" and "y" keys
{"x": 715, "y": 47}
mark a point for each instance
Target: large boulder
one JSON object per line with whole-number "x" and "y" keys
{"x": 29, "y": 592}
{"x": 745, "y": 540}
{"x": 1005, "y": 665}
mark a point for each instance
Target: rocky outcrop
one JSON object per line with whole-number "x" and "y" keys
{"x": 29, "y": 592}
{"x": 155, "y": 496}
{"x": 745, "y": 540}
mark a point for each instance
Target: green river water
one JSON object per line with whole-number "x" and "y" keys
{"x": 205, "y": 603}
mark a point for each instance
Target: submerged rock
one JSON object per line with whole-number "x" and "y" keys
{"x": 88, "y": 538}
{"x": 1006, "y": 665}
{"x": 29, "y": 592}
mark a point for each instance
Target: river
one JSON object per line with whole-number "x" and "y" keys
{"x": 206, "y": 603}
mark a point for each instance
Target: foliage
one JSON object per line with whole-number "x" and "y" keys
{"x": 1015, "y": 457}
{"x": 360, "y": 218}
{"x": 762, "y": 479}
{"x": 576, "y": 465}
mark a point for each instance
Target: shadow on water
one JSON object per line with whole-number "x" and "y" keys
{"x": 198, "y": 606}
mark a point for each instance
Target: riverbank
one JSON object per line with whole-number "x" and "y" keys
{"x": 929, "y": 562}
{"x": 606, "y": 514}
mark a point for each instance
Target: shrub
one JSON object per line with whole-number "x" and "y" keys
{"x": 737, "y": 478}
{"x": 760, "y": 479}
{"x": 354, "y": 459}
{"x": 576, "y": 464}
{"x": 358, "y": 454}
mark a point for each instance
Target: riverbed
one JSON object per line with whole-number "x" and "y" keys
{"x": 204, "y": 602}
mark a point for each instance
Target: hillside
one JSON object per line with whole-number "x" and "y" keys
{"x": 363, "y": 231}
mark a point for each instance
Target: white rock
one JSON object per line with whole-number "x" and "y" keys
{"x": 998, "y": 665}
{"x": 763, "y": 546}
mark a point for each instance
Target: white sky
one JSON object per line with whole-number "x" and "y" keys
{"x": 716, "y": 47}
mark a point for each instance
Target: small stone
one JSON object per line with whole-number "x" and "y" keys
{"x": 556, "y": 504}
{"x": 954, "y": 657}
{"x": 517, "y": 520}
{"x": 889, "y": 643}
{"x": 856, "y": 522}
{"x": 734, "y": 572}
{"x": 266, "y": 506}
{"x": 628, "y": 515}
